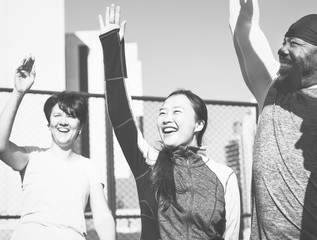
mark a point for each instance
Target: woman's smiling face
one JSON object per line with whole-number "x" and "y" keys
{"x": 177, "y": 122}
{"x": 64, "y": 128}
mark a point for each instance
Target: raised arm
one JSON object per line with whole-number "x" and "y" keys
{"x": 134, "y": 147}
{"x": 14, "y": 156}
{"x": 257, "y": 63}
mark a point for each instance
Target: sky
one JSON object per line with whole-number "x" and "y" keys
{"x": 187, "y": 43}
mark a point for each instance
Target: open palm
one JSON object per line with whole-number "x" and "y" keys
{"x": 112, "y": 21}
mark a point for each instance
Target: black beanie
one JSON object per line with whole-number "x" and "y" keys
{"x": 305, "y": 28}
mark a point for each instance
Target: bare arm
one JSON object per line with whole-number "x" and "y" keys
{"x": 14, "y": 156}
{"x": 258, "y": 65}
{"x": 103, "y": 220}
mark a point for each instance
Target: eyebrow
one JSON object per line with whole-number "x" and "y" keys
{"x": 163, "y": 108}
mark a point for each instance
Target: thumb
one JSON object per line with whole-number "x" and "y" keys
{"x": 122, "y": 29}
{"x": 101, "y": 23}
{"x": 33, "y": 72}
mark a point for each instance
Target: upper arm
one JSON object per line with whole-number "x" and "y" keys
{"x": 98, "y": 202}
{"x": 119, "y": 103}
{"x": 15, "y": 157}
{"x": 257, "y": 63}
{"x": 125, "y": 127}
{"x": 233, "y": 211}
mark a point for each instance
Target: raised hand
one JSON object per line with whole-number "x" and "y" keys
{"x": 25, "y": 75}
{"x": 250, "y": 8}
{"x": 112, "y": 21}
{"x": 242, "y": 10}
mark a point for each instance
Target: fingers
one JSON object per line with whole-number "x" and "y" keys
{"x": 107, "y": 15}
{"x": 33, "y": 72}
{"x": 19, "y": 68}
{"x": 117, "y": 15}
{"x": 122, "y": 30}
{"x": 111, "y": 20}
{"x": 112, "y": 15}
{"x": 27, "y": 64}
{"x": 101, "y": 23}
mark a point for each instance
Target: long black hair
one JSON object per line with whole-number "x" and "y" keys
{"x": 162, "y": 174}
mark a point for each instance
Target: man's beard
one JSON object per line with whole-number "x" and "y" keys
{"x": 288, "y": 82}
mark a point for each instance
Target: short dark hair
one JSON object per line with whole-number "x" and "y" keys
{"x": 72, "y": 103}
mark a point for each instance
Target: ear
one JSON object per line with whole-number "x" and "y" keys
{"x": 79, "y": 132}
{"x": 81, "y": 129}
{"x": 199, "y": 125}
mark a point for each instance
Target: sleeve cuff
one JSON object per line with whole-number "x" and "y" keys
{"x": 113, "y": 55}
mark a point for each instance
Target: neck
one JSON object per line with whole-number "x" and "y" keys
{"x": 310, "y": 82}
{"x": 285, "y": 84}
{"x": 64, "y": 154}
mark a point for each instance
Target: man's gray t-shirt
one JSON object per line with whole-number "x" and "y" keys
{"x": 285, "y": 167}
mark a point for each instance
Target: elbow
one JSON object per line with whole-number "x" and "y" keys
{"x": 106, "y": 224}
{"x": 104, "y": 220}
{"x": 4, "y": 145}
{"x": 232, "y": 24}
{"x": 3, "y": 148}
{"x": 231, "y": 28}
{"x": 105, "y": 228}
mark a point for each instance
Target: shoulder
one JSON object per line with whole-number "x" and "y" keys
{"x": 223, "y": 172}
{"x": 34, "y": 150}
{"x": 217, "y": 167}
{"x": 87, "y": 162}
{"x": 31, "y": 149}
{"x": 88, "y": 165}
{"x": 91, "y": 168}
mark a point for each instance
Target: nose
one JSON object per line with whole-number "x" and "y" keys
{"x": 283, "y": 51}
{"x": 167, "y": 118}
{"x": 63, "y": 121}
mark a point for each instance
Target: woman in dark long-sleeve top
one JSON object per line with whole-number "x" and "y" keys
{"x": 182, "y": 193}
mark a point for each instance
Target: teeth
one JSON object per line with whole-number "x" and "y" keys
{"x": 63, "y": 129}
{"x": 169, "y": 130}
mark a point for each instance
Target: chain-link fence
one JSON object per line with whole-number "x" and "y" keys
{"x": 97, "y": 142}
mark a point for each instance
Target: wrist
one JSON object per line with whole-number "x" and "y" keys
{"x": 18, "y": 93}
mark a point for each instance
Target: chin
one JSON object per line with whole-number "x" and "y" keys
{"x": 170, "y": 146}
{"x": 283, "y": 73}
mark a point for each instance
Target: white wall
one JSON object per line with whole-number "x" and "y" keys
{"x": 37, "y": 27}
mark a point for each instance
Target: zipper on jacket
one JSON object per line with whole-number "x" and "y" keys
{"x": 190, "y": 200}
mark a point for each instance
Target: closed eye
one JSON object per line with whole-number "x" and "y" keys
{"x": 162, "y": 113}
{"x": 293, "y": 43}
{"x": 71, "y": 116}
